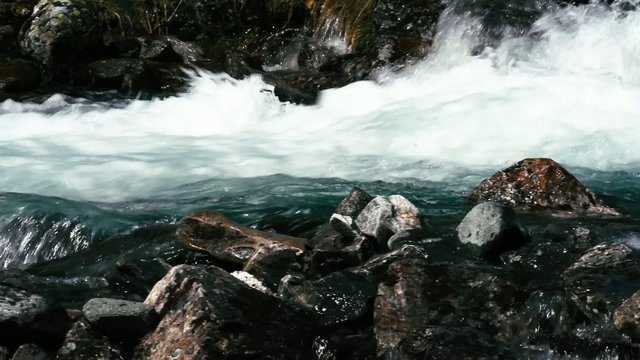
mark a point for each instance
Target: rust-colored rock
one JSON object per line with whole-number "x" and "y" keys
{"x": 227, "y": 241}
{"x": 538, "y": 183}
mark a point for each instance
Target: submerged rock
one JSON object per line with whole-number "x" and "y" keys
{"x": 493, "y": 228}
{"x": 627, "y": 317}
{"x": 207, "y": 313}
{"x": 590, "y": 282}
{"x": 266, "y": 255}
{"x": 420, "y": 305}
{"x": 120, "y": 320}
{"x": 391, "y": 219}
{"x": 82, "y": 342}
{"x": 538, "y": 183}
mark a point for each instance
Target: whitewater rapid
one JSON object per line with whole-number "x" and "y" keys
{"x": 571, "y": 92}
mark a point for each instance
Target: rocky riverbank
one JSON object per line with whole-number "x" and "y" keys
{"x": 539, "y": 267}
{"x": 140, "y": 48}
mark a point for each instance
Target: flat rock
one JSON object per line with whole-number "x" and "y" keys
{"x": 120, "y": 320}
{"x": 538, "y": 183}
{"x": 212, "y": 232}
{"x": 492, "y": 227}
{"x": 209, "y": 314}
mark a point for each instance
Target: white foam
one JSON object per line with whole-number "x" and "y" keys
{"x": 572, "y": 95}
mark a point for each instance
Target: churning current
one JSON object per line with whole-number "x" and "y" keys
{"x": 569, "y": 89}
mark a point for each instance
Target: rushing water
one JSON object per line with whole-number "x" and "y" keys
{"x": 75, "y": 172}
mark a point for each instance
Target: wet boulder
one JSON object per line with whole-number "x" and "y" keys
{"x": 353, "y": 204}
{"x": 405, "y": 29}
{"x": 266, "y": 255}
{"x": 538, "y": 183}
{"x": 62, "y": 32}
{"x": 348, "y": 210}
{"x": 598, "y": 282}
{"x": 333, "y": 252}
{"x": 30, "y": 352}
{"x": 419, "y": 302}
{"x": 120, "y": 320}
{"x": 123, "y": 74}
{"x": 347, "y": 295}
{"x": 208, "y": 313}
{"x": 26, "y": 316}
{"x": 19, "y": 76}
{"x": 169, "y": 49}
{"x": 82, "y": 342}
{"x": 627, "y": 317}
{"x": 390, "y": 220}
{"x": 492, "y": 227}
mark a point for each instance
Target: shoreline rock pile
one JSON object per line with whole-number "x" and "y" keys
{"x": 497, "y": 286}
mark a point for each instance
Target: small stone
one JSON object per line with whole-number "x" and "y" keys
{"x": 354, "y": 203}
{"x": 345, "y": 226}
{"x": 492, "y": 227}
{"x": 390, "y": 219}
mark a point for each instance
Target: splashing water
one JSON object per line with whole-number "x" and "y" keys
{"x": 568, "y": 92}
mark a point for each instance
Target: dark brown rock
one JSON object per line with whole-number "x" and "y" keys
{"x": 209, "y": 314}
{"x": 538, "y": 183}
{"x": 627, "y": 317}
{"x": 229, "y": 242}
{"x": 82, "y": 342}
